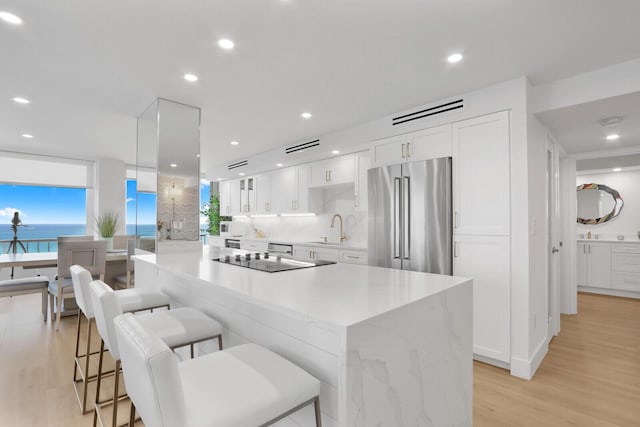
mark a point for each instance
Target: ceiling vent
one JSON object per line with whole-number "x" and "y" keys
{"x": 237, "y": 164}
{"x": 301, "y": 147}
{"x": 438, "y": 109}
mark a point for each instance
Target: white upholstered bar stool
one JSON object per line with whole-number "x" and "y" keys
{"x": 245, "y": 385}
{"x": 132, "y": 299}
{"x": 179, "y": 327}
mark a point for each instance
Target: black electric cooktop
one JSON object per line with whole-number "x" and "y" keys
{"x": 269, "y": 262}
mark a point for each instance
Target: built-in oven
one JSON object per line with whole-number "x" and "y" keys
{"x": 280, "y": 249}
{"x": 232, "y": 243}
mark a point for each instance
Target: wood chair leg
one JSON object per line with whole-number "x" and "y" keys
{"x": 52, "y": 313}
{"x": 45, "y": 293}
{"x": 59, "y": 304}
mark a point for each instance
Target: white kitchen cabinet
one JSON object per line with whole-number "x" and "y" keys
{"x": 315, "y": 253}
{"x": 254, "y": 245}
{"x": 486, "y": 260}
{"x": 362, "y": 163}
{"x": 234, "y": 198}
{"x": 481, "y": 176}
{"x": 298, "y": 199}
{"x": 425, "y": 144}
{"x": 353, "y": 257}
{"x": 264, "y": 192}
{"x": 279, "y": 185}
{"x": 333, "y": 171}
{"x": 248, "y": 195}
{"x": 594, "y": 264}
{"x": 225, "y": 198}
{"x": 216, "y": 241}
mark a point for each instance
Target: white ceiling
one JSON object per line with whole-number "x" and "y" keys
{"x": 90, "y": 67}
{"x": 578, "y": 130}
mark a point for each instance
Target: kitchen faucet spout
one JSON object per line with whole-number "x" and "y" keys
{"x": 333, "y": 223}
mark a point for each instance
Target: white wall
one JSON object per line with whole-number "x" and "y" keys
{"x": 110, "y": 192}
{"x": 568, "y": 255}
{"x": 627, "y": 183}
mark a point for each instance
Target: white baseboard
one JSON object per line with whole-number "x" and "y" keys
{"x": 525, "y": 369}
{"x": 490, "y": 361}
{"x": 610, "y": 292}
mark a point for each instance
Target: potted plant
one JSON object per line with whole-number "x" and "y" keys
{"x": 107, "y": 225}
{"x": 212, "y": 213}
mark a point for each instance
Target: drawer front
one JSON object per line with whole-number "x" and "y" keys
{"x": 216, "y": 242}
{"x": 629, "y": 263}
{"x": 353, "y": 257}
{"x": 622, "y": 248}
{"x": 254, "y": 246}
{"x": 626, "y": 281}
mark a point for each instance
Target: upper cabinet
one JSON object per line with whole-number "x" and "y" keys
{"x": 225, "y": 198}
{"x": 425, "y": 144}
{"x": 264, "y": 192}
{"x": 337, "y": 170}
{"x": 248, "y": 195}
{"x": 481, "y": 176}
{"x": 298, "y": 199}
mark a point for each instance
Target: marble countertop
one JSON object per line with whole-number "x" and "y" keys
{"x": 317, "y": 244}
{"x": 342, "y": 294}
{"x": 609, "y": 240}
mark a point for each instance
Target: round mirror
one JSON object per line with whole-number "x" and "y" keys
{"x": 597, "y": 203}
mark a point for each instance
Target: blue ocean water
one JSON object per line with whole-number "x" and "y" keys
{"x": 32, "y": 232}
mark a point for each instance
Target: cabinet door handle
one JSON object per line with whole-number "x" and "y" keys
{"x": 584, "y": 249}
{"x": 326, "y": 176}
{"x": 353, "y": 257}
{"x": 329, "y": 176}
{"x": 455, "y": 219}
{"x": 403, "y": 151}
{"x": 589, "y": 249}
{"x": 455, "y": 249}
{"x": 356, "y": 201}
{"x": 408, "y": 149}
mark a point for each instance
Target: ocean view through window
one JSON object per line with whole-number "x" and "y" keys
{"x": 141, "y": 211}
{"x": 46, "y": 213}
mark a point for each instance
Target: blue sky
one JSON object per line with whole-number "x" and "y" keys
{"x": 43, "y": 205}
{"x": 55, "y": 205}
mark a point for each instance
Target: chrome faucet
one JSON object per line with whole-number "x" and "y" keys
{"x": 333, "y": 223}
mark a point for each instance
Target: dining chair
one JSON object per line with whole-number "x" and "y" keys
{"x": 133, "y": 300}
{"x": 245, "y": 385}
{"x": 179, "y": 327}
{"x": 90, "y": 254}
{"x": 128, "y": 279}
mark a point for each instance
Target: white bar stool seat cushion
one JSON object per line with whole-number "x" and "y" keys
{"x": 133, "y": 299}
{"x": 180, "y": 325}
{"x": 246, "y": 385}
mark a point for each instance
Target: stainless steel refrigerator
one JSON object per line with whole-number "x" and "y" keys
{"x": 410, "y": 224}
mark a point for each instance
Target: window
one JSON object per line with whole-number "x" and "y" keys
{"x": 141, "y": 211}
{"x": 46, "y": 213}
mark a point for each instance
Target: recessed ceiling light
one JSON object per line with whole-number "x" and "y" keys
{"x": 335, "y": 152}
{"x": 191, "y": 77}
{"x": 612, "y": 137}
{"x": 279, "y": 165}
{"x": 219, "y": 179}
{"x": 27, "y": 135}
{"x": 617, "y": 169}
{"x": 241, "y": 173}
{"x": 305, "y": 115}
{"x": 21, "y": 100}
{"x": 10, "y": 18}
{"x": 455, "y": 57}
{"x": 234, "y": 143}
{"x": 226, "y": 44}
{"x": 173, "y": 165}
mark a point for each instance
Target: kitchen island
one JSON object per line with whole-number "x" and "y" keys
{"x": 391, "y": 347}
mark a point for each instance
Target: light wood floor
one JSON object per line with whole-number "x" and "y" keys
{"x": 590, "y": 377}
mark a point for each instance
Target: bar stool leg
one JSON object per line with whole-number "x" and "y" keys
{"x": 132, "y": 415}
{"x": 86, "y": 367}
{"x": 75, "y": 365}
{"x": 316, "y": 406}
{"x": 219, "y": 342}
{"x": 115, "y": 395}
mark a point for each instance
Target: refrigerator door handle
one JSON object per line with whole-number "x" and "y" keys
{"x": 397, "y": 185}
{"x": 406, "y": 219}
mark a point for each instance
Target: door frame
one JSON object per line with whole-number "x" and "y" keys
{"x": 552, "y": 165}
